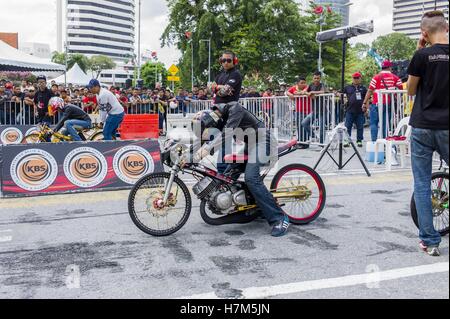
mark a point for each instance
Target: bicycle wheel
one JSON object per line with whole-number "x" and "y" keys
{"x": 31, "y": 139}
{"x": 439, "y": 200}
{"x": 99, "y": 137}
{"x": 307, "y": 193}
{"x": 147, "y": 211}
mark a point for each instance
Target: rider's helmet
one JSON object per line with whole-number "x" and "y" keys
{"x": 204, "y": 123}
{"x": 55, "y": 104}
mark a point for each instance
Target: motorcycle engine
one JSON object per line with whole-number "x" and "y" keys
{"x": 225, "y": 201}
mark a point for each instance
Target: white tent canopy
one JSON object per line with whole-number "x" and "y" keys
{"x": 12, "y": 59}
{"x": 75, "y": 76}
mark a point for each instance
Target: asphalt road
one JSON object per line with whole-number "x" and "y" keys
{"x": 364, "y": 245}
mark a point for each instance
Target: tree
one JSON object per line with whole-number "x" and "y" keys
{"x": 395, "y": 46}
{"x": 271, "y": 38}
{"x": 98, "y": 63}
{"x": 59, "y": 57}
{"x": 76, "y": 58}
{"x": 80, "y": 59}
{"x": 149, "y": 72}
{"x": 359, "y": 61}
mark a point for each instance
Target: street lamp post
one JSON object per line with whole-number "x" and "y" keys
{"x": 322, "y": 22}
{"x": 209, "y": 58}
{"x": 139, "y": 42}
{"x": 65, "y": 62}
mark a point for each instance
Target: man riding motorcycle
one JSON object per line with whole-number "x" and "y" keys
{"x": 73, "y": 117}
{"x": 228, "y": 118}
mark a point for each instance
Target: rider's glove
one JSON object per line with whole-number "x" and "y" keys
{"x": 201, "y": 154}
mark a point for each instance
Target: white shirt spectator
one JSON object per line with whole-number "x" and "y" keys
{"x": 108, "y": 104}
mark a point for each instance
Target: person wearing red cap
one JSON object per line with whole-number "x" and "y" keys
{"x": 385, "y": 80}
{"x": 354, "y": 113}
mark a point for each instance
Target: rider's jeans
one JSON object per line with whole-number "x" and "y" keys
{"x": 69, "y": 125}
{"x": 112, "y": 124}
{"x": 264, "y": 199}
{"x": 424, "y": 143}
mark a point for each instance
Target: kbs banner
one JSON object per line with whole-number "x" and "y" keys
{"x": 14, "y": 134}
{"x": 41, "y": 169}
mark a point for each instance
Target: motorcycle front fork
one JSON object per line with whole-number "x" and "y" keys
{"x": 173, "y": 173}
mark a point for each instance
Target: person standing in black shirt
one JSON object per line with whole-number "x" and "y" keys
{"x": 41, "y": 99}
{"x": 428, "y": 81}
{"x": 227, "y": 88}
{"x": 355, "y": 110}
{"x": 228, "y": 84}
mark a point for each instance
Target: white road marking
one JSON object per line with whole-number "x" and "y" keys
{"x": 5, "y": 239}
{"x": 354, "y": 280}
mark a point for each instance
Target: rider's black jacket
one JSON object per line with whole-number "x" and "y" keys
{"x": 232, "y": 78}
{"x": 72, "y": 112}
{"x": 234, "y": 116}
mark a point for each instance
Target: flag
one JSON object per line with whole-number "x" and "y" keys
{"x": 318, "y": 10}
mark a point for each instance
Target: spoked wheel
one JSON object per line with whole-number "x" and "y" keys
{"x": 439, "y": 202}
{"x": 300, "y": 191}
{"x": 31, "y": 139}
{"x": 148, "y": 210}
{"x": 97, "y": 137}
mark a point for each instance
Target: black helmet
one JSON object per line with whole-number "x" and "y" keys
{"x": 203, "y": 122}
{"x": 223, "y": 108}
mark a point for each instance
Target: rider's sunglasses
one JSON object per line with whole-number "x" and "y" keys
{"x": 226, "y": 60}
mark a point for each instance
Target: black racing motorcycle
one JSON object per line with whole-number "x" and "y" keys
{"x": 160, "y": 203}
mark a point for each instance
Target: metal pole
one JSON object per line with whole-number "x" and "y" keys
{"x": 156, "y": 73}
{"x": 344, "y": 52}
{"x": 65, "y": 60}
{"x": 139, "y": 43}
{"x": 209, "y": 62}
{"x": 192, "y": 64}
{"x": 319, "y": 63}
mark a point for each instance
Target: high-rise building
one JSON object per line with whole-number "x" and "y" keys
{"x": 408, "y": 14}
{"x": 340, "y": 6}
{"x": 101, "y": 27}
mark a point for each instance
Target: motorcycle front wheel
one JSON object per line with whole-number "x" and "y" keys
{"x": 148, "y": 210}
{"x": 439, "y": 200}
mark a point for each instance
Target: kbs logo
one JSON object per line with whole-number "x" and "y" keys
{"x": 10, "y": 136}
{"x": 34, "y": 170}
{"x": 131, "y": 163}
{"x": 85, "y": 167}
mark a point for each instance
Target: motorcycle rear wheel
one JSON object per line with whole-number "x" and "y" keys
{"x": 301, "y": 211}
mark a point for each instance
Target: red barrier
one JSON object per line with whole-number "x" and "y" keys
{"x": 139, "y": 126}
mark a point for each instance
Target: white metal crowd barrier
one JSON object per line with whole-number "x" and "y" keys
{"x": 307, "y": 119}
{"x": 393, "y": 106}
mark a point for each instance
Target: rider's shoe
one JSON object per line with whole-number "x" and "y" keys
{"x": 430, "y": 250}
{"x": 359, "y": 144}
{"x": 281, "y": 227}
{"x": 347, "y": 144}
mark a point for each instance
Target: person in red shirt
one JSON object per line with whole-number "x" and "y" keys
{"x": 90, "y": 103}
{"x": 123, "y": 99}
{"x": 299, "y": 93}
{"x": 385, "y": 80}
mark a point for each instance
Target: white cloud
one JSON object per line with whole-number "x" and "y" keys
{"x": 35, "y": 21}
{"x": 381, "y": 12}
